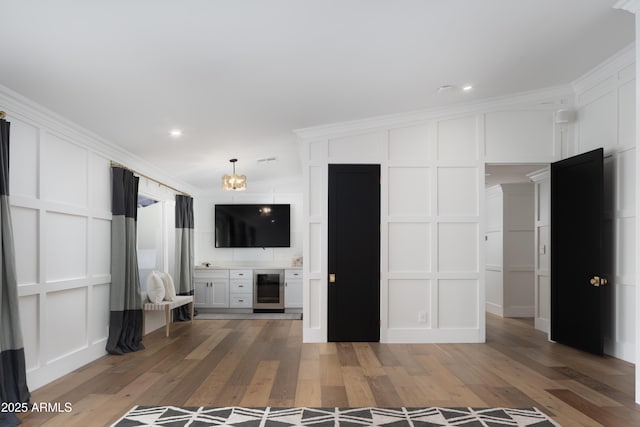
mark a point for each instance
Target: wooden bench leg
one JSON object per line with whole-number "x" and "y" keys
{"x": 167, "y": 310}
{"x": 192, "y": 309}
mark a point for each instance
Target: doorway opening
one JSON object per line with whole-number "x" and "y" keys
{"x": 512, "y": 234}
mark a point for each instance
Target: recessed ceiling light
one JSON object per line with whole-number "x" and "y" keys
{"x": 175, "y": 133}
{"x": 467, "y": 88}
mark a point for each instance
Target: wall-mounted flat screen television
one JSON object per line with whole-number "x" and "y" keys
{"x": 253, "y": 226}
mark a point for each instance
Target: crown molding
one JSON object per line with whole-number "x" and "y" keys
{"x": 632, "y": 6}
{"x": 606, "y": 69}
{"x": 548, "y": 98}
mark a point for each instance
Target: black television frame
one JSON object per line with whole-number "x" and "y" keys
{"x": 247, "y": 206}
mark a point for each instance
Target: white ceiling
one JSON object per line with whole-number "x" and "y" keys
{"x": 239, "y": 75}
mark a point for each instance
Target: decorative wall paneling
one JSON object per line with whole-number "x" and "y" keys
{"x": 494, "y": 295}
{"x": 509, "y": 246}
{"x": 606, "y": 117}
{"x": 430, "y": 210}
{"x": 542, "y": 250}
{"x": 62, "y": 217}
{"x": 61, "y": 211}
{"x": 432, "y": 286}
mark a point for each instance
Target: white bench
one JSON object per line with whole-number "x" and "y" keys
{"x": 167, "y": 307}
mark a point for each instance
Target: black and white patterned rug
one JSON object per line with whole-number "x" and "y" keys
{"x": 329, "y": 417}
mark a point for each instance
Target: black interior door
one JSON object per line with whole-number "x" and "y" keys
{"x": 354, "y": 253}
{"x": 580, "y": 300}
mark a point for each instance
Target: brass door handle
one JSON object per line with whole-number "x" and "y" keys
{"x": 598, "y": 281}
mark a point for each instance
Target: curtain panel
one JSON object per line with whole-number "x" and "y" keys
{"x": 125, "y": 318}
{"x": 13, "y": 375}
{"x": 184, "y": 253}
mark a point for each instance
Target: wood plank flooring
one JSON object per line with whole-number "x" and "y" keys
{"x": 264, "y": 363}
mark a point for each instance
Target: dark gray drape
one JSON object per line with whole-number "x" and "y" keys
{"x": 184, "y": 253}
{"x": 13, "y": 375}
{"x": 125, "y": 319}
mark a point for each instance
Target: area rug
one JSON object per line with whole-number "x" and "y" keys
{"x": 329, "y": 417}
{"x": 249, "y": 316}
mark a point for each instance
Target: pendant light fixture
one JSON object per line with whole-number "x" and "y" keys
{"x": 234, "y": 182}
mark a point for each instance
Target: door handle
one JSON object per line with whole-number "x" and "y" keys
{"x": 332, "y": 278}
{"x": 598, "y": 281}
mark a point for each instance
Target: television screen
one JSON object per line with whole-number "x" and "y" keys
{"x": 253, "y": 226}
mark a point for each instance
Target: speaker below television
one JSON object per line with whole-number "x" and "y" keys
{"x": 253, "y": 226}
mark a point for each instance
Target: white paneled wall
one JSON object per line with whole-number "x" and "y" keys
{"x": 432, "y": 249}
{"x": 62, "y": 224}
{"x": 493, "y": 251}
{"x": 522, "y": 135}
{"x": 430, "y": 257}
{"x": 60, "y": 183}
{"x": 509, "y": 246}
{"x": 606, "y": 116}
{"x": 542, "y": 227}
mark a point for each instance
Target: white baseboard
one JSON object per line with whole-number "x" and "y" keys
{"x": 543, "y": 325}
{"x": 494, "y": 309}
{"x": 519, "y": 311}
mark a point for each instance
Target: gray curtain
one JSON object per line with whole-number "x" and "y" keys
{"x": 125, "y": 318}
{"x": 13, "y": 375}
{"x": 184, "y": 253}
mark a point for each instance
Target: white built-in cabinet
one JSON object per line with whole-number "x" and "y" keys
{"x": 211, "y": 288}
{"x": 293, "y": 289}
{"x": 510, "y": 250}
{"x": 241, "y": 289}
{"x": 228, "y": 288}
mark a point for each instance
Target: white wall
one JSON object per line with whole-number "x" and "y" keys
{"x": 493, "y": 251}
{"x": 61, "y": 211}
{"x": 432, "y": 208}
{"x": 542, "y": 250}
{"x": 509, "y": 250}
{"x": 285, "y": 192}
{"x": 606, "y": 117}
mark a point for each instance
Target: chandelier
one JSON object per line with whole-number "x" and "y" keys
{"x": 233, "y": 181}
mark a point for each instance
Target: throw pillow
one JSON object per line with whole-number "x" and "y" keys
{"x": 169, "y": 287}
{"x": 155, "y": 288}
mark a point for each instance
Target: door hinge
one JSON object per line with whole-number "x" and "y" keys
{"x": 598, "y": 281}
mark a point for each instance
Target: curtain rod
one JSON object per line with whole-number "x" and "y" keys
{"x": 120, "y": 165}
{"x": 3, "y": 114}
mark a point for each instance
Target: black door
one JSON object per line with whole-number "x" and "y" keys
{"x": 580, "y": 298}
{"x": 354, "y": 253}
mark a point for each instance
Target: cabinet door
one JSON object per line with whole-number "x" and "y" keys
{"x": 293, "y": 293}
{"x": 202, "y": 292}
{"x": 220, "y": 293}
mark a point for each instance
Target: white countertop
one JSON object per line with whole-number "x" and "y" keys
{"x": 249, "y": 266}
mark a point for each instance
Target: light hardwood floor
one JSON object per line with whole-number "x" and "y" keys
{"x": 264, "y": 363}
